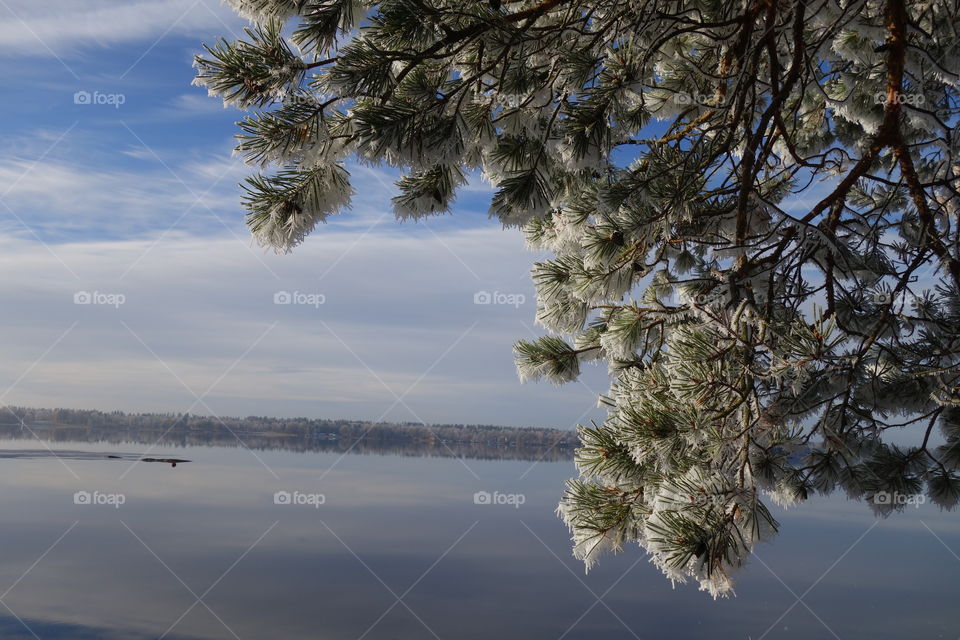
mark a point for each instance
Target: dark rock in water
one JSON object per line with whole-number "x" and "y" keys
{"x": 171, "y": 461}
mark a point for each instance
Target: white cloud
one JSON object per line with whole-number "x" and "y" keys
{"x": 82, "y": 187}
{"x": 398, "y": 310}
{"x": 396, "y": 319}
{"x": 76, "y": 183}
{"x": 63, "y": 199}
{"x": 55, "y": 28}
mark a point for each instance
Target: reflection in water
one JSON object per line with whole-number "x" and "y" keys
{"x": 66, "y": 454}
{"x": 283, "y": 544}
{"x": 680, "y": 475}
{"x": 550, "y": 450}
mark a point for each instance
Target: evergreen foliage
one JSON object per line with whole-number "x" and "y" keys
{"x": 752, "y": 209}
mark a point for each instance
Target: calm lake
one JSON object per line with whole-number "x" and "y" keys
{"x": 279, "y": 544}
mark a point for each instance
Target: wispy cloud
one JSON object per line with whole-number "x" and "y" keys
{"x": 391, "y": 305}
{"x": 62, "y": 199}
{"x": 138, "y": 208}
{"x": 28, "y": 27}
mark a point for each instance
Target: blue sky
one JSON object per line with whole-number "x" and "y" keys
{"x": 117, "y": 187}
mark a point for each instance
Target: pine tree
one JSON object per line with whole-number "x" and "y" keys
{"x": 752, "y": 211}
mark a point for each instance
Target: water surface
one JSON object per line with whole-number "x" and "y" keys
{"x": 396, "y": 547}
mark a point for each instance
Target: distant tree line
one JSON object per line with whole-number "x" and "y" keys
{"x": 292, "y": 434}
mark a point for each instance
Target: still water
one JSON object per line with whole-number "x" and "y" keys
{"x": 279, "y": 544}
